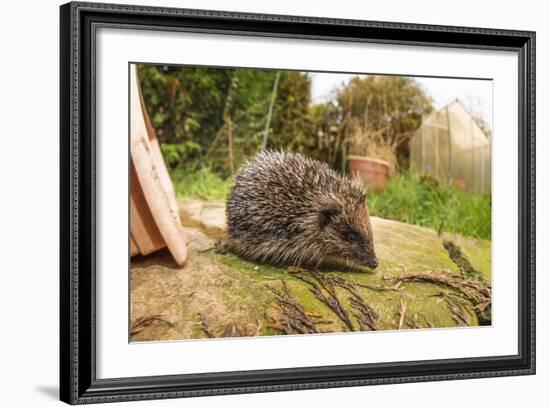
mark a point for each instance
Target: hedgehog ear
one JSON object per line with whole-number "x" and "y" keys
{"x": 326, "y": 214}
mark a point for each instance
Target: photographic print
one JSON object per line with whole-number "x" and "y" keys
{"x": 242, "y": 192}
{"x": 275, "y": 202}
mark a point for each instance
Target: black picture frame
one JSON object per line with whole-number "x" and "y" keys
{"x": 78, "y": 382}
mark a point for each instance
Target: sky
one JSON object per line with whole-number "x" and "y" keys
{"x": 475, "y": 94}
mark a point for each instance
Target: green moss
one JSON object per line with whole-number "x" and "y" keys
{"x": 255, "y": 279}
{"x": 477, "y": 252}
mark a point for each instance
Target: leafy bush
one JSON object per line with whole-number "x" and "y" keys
{"x": 173, "y": 153}
{"x": 215, "y": 117}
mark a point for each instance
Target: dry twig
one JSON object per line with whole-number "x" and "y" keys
{"x": 479, "y": 293}
{"x": 143, "y": 322}
{"x": 204, "y": 326}
{"x": 414, "y": 322}
{"x": 367, "y": 317}
{"x": 402, "y": 313}
{"x": 292, "y": 317}
{"x": 318, "y": 287}
{"x": 396, "y": 287}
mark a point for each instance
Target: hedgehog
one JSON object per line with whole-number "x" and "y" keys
{"x": 286, "y": 209}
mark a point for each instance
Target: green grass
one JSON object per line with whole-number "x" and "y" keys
{"x": 202, "y": 184}
{"x": 408, "y": 198}
{"x": 422, "y": 200}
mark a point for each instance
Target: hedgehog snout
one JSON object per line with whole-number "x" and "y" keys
{"x": 368, "y": 259}
{"x": 370, "y": 262}
{"x": 373, "y": 263}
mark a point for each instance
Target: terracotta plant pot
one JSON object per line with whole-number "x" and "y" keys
{"x": 372, "y": 172}
{"x": 154, "y": 216}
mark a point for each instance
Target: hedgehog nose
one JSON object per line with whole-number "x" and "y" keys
{"x": 373, "y": 264}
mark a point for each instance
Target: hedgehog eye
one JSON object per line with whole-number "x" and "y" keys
{"x": 353, "y": 237}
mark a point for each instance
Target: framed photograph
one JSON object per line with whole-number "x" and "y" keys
{"x": 254, "y": 203}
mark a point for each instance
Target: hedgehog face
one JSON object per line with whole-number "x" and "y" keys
{"x": 346, "y": 232}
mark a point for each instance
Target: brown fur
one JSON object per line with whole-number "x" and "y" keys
{"x": 288, "y": 209}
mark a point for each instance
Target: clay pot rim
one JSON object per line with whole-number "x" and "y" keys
{"x": 366, "y": 158}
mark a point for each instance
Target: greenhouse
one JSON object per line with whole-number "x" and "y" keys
{"x": 451, "y": 145}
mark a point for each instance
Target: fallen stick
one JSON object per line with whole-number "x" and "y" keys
{"x": 451, "y": 280}
{"x": 292, "y": 317}
{"x": 478, "y": 292}
{"x": 402, "y": 312}
{"x": 321, "y": 285}
{"x": 414, "y": 323}
{"x": 204, "y": 327}
{"x": 382, "y": 287}
{"x": 141, "y": 323}
{"x": 367, "y": 316}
